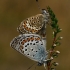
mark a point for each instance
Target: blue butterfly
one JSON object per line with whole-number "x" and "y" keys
{"x": 32, "y": 46}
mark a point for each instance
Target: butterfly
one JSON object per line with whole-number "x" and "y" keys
{"x": 32, "y": 46}
{"x": 34, "y": 24}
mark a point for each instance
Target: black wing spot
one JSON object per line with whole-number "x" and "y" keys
{"x": 32, "y": 18}
{"x": 37, "y": 17}
{"x": 25, "y": 49}
{"x": 28, "y": 54}
{"x": 25, "y": 45}
{"x": 30, "y": 43}
{"x": 41, "y": 44}
{"x": 30, "y": 24}
{"x": 37, "y": 41}
{"x": 40, "y": 26}
{"x": 38, "y": 21}
{"x": 33, "y": 43}
{"x": 34, "y": 22}
{"x": 33, "y": 55}
{"x": 36, "y": 51}
{"x": 32, "y": 49}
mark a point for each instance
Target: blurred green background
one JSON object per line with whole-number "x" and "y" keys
{"x": 12, "y": 12}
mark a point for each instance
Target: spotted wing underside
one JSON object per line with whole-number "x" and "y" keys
{"x": 31, "y": 25}
{"x": 29, "y": 45}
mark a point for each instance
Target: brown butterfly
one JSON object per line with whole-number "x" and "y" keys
{"x": 34, "y": 24}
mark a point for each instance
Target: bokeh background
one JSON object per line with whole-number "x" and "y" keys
{"x": 12, "y": 12}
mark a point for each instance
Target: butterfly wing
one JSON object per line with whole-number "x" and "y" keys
{"x": 31, "y": 25}
{"x": 30, "y": 45}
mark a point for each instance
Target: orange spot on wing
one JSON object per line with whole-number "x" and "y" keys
{"x": 24, "y": 41}
{"x": 37, "y": 38}
{"x": 28, "y": 39}
{"x": 36, "y": 30}
{"x": 32, "y": 30}
{"x": 24, "y": 26}
{"x": 32, "y": 38}
{"x": 25, "y": 22}
{"x": 21, "y": 47}
{"x": 29, "y": 29}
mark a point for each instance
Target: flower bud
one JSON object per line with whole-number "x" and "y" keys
{"x": 61, "y": 37}
{"x": 60, "y": 29}
{"x": 54, "y": 45}
{"x": 58, "y": 52}
{"x": 55, "y": 63}
{"x": 51, "y": 58}
{"x": 53, "y": 33}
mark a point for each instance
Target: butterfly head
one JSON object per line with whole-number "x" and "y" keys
{"x": 44, "y": 63}
{"x": 44, "y": 11}
{"x": 45, "y": 15}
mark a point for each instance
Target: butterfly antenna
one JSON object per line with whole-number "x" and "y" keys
{"x": 38, "y": 4}
{"x": 31, "y": 66}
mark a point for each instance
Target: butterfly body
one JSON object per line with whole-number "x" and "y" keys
{"x": 30, "y": 45}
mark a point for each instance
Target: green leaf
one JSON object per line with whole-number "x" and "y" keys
{"x": 58, "y": 43}
{"x": 55, "y": 64}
